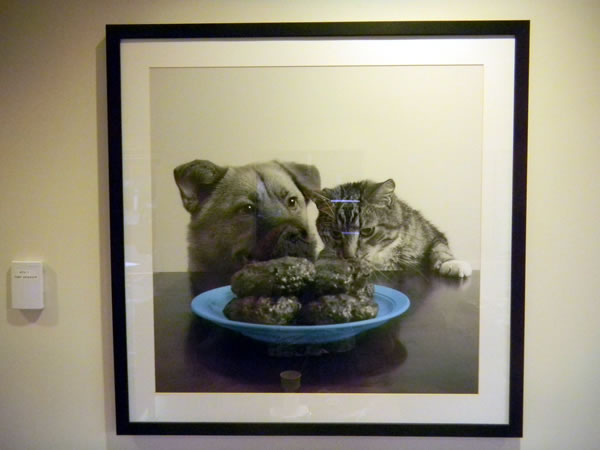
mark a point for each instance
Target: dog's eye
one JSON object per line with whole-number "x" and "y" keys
{"x": 366, "y": 232}
{"x": 247, "y": 209}
{"x": 292, "y": 202}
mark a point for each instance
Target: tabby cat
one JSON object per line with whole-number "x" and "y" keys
{"x": 366, "y": 220}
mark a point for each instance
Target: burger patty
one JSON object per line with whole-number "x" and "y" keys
{"x": 288, "y": 275}
{"x": 291, "y": 290}
{"x": 266, "y": 310}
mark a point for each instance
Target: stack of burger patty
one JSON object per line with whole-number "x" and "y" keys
{"x": 290, "y": 290}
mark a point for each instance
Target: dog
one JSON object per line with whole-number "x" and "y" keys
{"x": 247, "y": 213}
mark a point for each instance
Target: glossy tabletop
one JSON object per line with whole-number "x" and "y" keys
{"x": 431, "y": 348}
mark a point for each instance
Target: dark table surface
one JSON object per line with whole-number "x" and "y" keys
{"x": 431, "y": 348}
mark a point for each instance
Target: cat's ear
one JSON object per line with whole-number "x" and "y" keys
{"x": 382, "y": 194}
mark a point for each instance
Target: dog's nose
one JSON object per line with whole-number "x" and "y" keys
{"x": 293, "y": 234}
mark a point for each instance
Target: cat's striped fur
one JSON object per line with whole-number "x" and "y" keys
{"x": 366, "y": 220}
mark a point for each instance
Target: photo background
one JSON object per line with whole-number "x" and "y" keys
{"x": 420, "y": 125}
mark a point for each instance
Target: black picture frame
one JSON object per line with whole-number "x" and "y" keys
{"x": 117, "y": 35}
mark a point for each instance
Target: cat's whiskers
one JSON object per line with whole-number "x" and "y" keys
{"x": 382, "y": 274}
{"x": 324, "y": 201}
{"x": 368, "y": 220}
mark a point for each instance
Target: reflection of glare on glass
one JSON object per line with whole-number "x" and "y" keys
{"x": 344, "y": 201}
{"x": 131, "y": 213}
{"x": 290, "y": 408}
{"x": 131, "y": 264}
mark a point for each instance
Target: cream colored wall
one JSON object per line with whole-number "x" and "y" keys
{"x": 56, "y": 370}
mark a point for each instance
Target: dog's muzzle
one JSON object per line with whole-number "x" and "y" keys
{"x": 286, "y": 239}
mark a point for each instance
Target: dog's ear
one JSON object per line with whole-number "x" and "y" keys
{"x": 306, "y": 177}
{"x": 196, "y": 181}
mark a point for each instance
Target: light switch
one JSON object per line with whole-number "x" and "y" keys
{"x": 27, "y": 284}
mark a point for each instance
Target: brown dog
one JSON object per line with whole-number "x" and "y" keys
{"x": 241, "y": 214}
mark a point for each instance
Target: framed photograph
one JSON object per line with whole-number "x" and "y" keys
{"x": 318, "y": 228}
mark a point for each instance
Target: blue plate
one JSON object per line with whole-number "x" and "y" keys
{"x": 209, "y": 305}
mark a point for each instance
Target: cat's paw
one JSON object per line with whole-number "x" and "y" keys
{"x": 455, "y": 268}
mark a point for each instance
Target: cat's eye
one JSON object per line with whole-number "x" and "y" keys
{"x": 337, "y": 235}
{"x": 366, "y": 232}
{"x": 292, "y": 202}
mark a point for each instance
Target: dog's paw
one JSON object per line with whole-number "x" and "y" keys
{"x": 455, "y": 268}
